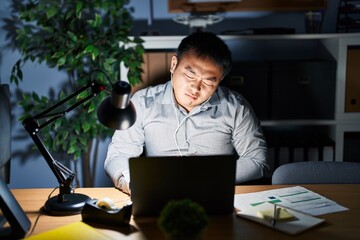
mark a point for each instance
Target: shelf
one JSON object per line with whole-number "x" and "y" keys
{"x": 349, "y": 27}
{"x": 307, "y": 122}
{"x": 171, "y": 42}
{"x": 349, "y": 11}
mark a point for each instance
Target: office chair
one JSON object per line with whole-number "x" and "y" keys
{"x": 5, "y": 133}
{"x": 317, "y": 172}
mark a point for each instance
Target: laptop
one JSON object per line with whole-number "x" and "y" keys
{"x": 207, "y": 180}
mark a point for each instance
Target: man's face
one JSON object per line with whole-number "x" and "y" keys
{"x": 194, "y": 80}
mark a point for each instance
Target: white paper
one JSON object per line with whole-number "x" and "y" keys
{"x": 298, "y": 198}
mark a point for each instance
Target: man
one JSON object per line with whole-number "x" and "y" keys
{"x": 191, "y": 115}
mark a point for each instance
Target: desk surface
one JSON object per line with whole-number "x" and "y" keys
{"x": 341, "y": 225}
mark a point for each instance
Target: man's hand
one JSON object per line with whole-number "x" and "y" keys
{"x": 123, "y": 185}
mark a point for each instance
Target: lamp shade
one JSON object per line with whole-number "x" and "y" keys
{"x": 117, "y": 112}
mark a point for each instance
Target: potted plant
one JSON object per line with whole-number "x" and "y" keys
{"x": 75, "y": 37}
{"x": 183, "y": 219}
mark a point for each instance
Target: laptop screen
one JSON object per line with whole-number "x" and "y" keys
{"x": 207, "y": 180}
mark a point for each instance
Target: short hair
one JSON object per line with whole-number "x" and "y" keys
{"x": 207, "y": 45}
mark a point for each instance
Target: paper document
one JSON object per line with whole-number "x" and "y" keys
{"x": 298, "y": 198}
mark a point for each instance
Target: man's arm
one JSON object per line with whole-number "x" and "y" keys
{"x": 121, "y": 148}
{"x": 250, "y": 145}
{"x": 124, "y": 145}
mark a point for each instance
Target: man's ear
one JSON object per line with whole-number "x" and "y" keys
{"x": 173, "y": 64}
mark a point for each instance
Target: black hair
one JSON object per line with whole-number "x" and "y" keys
{"x": 207, "y": 45}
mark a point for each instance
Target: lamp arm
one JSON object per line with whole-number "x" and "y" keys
{"x": 95, "y": 89}
{"x": 63, "y": 174}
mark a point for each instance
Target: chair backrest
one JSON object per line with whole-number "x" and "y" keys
{"x": 317, "y": 172}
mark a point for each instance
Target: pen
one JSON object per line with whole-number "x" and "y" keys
{"x": 274, "y": 215}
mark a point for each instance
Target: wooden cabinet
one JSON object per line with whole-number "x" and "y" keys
{"x": 352, "y": 86}
{"x": 156, "y": 69}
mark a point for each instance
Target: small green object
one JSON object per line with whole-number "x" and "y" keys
{"x": 182, "y": 219}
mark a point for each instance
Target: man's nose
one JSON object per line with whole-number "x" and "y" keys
{"x": 196, "y": 85}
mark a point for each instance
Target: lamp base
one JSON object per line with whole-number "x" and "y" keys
{"x": 71, "y": 204}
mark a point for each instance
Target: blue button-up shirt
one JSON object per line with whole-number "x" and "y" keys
{"x": 224, "y": 124}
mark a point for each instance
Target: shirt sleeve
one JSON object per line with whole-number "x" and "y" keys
{"x": 124, "y": 145}
{"x": 250, "y": 145}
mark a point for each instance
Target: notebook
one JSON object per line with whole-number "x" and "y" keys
{"x": 298, "y": 222}
{"x": 207, "y": 180}
{"x": 71, "y": 231}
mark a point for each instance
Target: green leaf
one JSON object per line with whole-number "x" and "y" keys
{"x": 107, "y": 67}
{"x": 73, "y": 141}
{"x": 35, "y": 96}
{"x": 72, "y": 150}
{"x": 82, "y": 95}
{"x": 95, "y": 53}
{"x": 58, "y": 123}
{"x": 41, "y": 7}
{"x": 65, "y": 135}
{"x": 58, "y": 54}
{"x": 98, "y": 20}
{"x": 19, "y": 73}
{"x": 110, "y": 60}
{"x": 93, "y": 50}
{"x": 89, "y": 49}
{"x": 86, "y": 126}
{"x": 61, "y": 61}
{"x": 83, "y": 141}
{"x": 77, "y": 154}
{"x": 70, "y": 60}
{"x": 51, "y": 11}
{"x": 23, "y": 15}
{"x": 48, "y": 29}
{"x": 72, "y": 36}
{"x": 79, "y": 6}
{"x": 91, "y": 107}
{"x": 62, "y": 95}
{"x": 69, "y": 14}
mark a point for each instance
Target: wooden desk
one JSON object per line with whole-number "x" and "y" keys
{"x": 341, "y": 225}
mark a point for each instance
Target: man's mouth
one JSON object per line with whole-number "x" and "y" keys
{"x": 193, "y": 97}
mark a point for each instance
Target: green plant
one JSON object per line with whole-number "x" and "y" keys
{"x": 181, "y": 219}
{"x": 76, "y": 37}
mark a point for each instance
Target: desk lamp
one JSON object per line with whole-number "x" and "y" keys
{"x": 116, "y": 112}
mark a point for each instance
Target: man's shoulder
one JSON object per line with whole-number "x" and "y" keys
{"x": 229, "y": 95}
{"x": 151, "y": 93}
{"x": 234, "y": 101}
